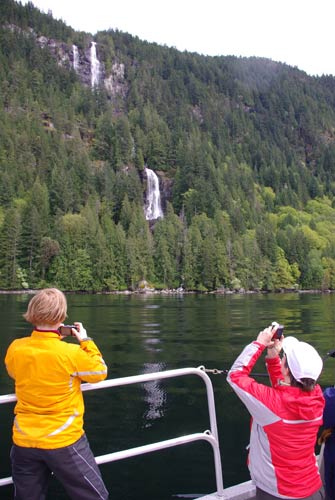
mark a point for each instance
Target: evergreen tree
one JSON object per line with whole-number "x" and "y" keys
{"x": 10, "y": 249}
{"x": 139, "y": 250}
{"x": 168, "y": 240}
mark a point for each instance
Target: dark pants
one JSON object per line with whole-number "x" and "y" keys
{"x": 74, "y": 466}
{"x": 262, "y": 495}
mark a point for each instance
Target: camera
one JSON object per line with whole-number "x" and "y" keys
{"x": 279, "y": 332}
{"x": 66, "y": 330}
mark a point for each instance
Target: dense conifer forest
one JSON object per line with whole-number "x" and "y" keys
{"x": 244, "y": 149}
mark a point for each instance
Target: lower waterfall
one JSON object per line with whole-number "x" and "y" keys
{"x": 153, "y": 209}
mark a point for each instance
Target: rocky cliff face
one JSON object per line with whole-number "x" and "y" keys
{"x": 114, "y": 82}
{"x": 166, "y": 185}
{"x": 80, "y": 60}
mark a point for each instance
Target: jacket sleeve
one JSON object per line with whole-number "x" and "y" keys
{"x": 9, "y": 362}
{"x": 259, "y": 399}
{"x": 90, "y": 366}
{"x": 273, "y": 366}
{"x": 329, "y": 410}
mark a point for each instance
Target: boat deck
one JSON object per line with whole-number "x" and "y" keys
{"x": 243, "y": 491}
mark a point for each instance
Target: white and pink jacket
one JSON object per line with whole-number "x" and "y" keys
{"x": 284, "y": 426}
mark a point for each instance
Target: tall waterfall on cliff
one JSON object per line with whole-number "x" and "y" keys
{"x": 153, "y": 209}
{"x": 75, "y": 57}
{"x": 95, "y": 66}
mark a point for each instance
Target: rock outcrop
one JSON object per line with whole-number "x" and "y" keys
{"x": 79, "y": 60}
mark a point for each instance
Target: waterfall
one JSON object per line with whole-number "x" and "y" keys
{"x": 75, "y": 57}
{"x": 153, "y": 209}
{"x": 95, "y": 66}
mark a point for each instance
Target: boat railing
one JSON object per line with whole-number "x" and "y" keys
{"x": 211, "y": 435}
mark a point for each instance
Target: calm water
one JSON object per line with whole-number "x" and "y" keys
{"x": 139, "y": 334}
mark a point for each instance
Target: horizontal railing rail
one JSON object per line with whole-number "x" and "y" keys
{"x": 211, "y": 436}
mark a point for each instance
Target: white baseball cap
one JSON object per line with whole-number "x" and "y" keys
{"x": 302, "y": 359}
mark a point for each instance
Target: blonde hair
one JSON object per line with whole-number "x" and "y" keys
{"x": 47, "y": 307}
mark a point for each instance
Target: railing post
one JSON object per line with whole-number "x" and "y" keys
{"x": 214, "y": 430}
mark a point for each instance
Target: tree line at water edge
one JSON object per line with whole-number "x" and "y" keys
{"x": 89, "y": 251}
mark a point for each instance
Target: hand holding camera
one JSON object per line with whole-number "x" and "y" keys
{"x": 66, "y": 330}
{"x": 76, "y": 330}
{"x": 275, "y": 344}
{"x": 277, "y": 330}
{"x": 80, "y": 332}
{"x": 271, "y": 336}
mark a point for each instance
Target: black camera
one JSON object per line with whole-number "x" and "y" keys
{"x": 279, "y": 331}
{"x": 66, "y": 330}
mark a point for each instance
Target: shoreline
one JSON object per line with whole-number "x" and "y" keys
{"x": 31, "y": 291}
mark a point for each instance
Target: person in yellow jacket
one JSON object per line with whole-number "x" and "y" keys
{"x": 48, "y": 433}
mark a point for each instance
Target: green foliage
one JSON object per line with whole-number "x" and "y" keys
{"x": 139, "y": 250}
{"x": 168, "y": 242}
{"x": 245, "y": 150}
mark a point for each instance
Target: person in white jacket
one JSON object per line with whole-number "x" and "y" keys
{"x": 285, "y": 417}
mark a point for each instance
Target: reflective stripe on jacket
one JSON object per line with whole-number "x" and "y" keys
{"x": 48, "y": 373}
{"x": 285, "y": 422}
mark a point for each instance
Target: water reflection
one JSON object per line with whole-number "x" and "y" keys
{"x": 155, "y": 395}
{"x": 151, "y": 330}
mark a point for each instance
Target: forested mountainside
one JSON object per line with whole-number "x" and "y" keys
{"x": 244, "y": 150}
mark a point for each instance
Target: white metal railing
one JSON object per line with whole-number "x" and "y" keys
{"x": 211, "y": 436}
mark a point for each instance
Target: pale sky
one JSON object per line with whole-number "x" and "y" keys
{"x": 298, "y": 32}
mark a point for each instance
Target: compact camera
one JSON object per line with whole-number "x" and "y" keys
{"x": 66, "y": 330}
{"x": 279, "y": 332}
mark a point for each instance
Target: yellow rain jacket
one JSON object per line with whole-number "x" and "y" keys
{"x": 48, "y": 373}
